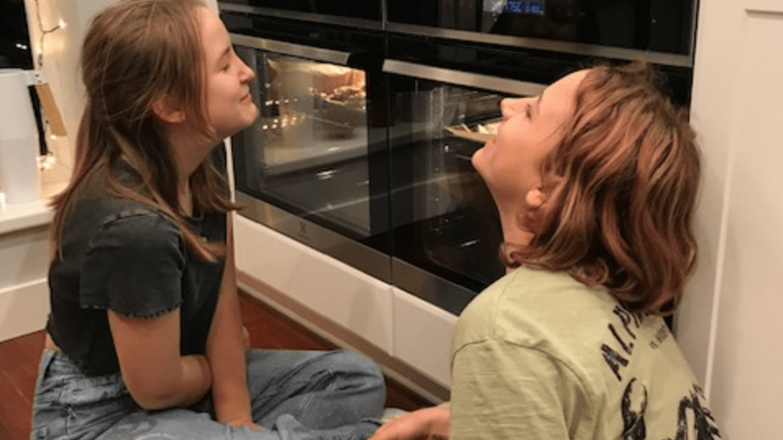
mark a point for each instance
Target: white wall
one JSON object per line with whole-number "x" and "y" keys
{"x": 730, "y": 326}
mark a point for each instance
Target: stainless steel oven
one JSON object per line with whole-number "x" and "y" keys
{"x": 444, "y": 97}
{"x": 314, "y": 166}
{"x": 445, "y": 227}
{"x": 362, "y": 150}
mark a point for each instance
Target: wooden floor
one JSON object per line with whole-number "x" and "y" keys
{"x": 268, "y": 329}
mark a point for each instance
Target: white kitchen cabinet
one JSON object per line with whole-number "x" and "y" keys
{"x": 730, "y": 325}
{"x": 24, "y": 261}
{"x": 342, "y": 294}
{"x": 422, "y": 336}
{"x": 408, "y": 337}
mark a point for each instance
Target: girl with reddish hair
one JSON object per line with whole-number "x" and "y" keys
{"x": 595, "y": 181}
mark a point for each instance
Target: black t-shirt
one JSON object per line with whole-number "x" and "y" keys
{"x": 122, "y": 255}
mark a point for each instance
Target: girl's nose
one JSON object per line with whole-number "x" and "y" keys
{"x": 248, "y": 74}
{"x": 510, "y": 107}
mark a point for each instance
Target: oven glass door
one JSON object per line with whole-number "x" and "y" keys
{"x": 446, "y": 231}
{"x": 657, "y": 26}
{"x": 310, "y": 156}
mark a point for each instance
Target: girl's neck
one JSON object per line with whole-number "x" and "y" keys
{"x": 185, "y": 197}
{"x": 514, "y": 235}
{"x": 190, "y": 148}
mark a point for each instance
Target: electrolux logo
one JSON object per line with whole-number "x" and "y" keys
{"x": 304, "y": 231}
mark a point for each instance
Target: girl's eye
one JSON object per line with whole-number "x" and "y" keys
{"x": 528, "y": 110}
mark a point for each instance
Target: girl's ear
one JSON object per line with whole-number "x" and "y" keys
{"x": 168, "y": 110}
{"x": 535, "y": 197}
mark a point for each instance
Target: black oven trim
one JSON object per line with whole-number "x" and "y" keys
{"x": 304, "y": 16}
{"x": 431, "y": 288}
{"x": 592, "y": 50}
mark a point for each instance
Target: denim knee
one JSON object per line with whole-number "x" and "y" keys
{"x": 349, "y": 360}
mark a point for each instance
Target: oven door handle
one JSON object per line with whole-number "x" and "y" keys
{"x": 460, "y": 78}
{"x": 296, "y": 50}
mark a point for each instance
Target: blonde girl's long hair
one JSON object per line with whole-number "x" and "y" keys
{"x": 134, "y": 53}
{"x": 622, "y": 187}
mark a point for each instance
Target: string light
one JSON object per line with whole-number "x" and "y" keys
{"x": 44, "y": 32}
{"x": 47, "y": 160}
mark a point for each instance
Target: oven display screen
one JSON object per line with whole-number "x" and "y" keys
{"x": 521, "y": 7}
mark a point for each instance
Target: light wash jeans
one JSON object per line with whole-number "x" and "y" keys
{"x": 298, "y": 395}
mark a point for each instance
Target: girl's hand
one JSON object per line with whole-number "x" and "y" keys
{"x": 424, "y": 424}
{"x": 246, "y": 336}
{"x": 238, "y": 423}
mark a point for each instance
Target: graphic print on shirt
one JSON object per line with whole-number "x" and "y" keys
{"x": 692, "y": 415}
{"x": 616, "y": 361}
{"x": 703, "y": 422}
{"x": 634, "y": 405}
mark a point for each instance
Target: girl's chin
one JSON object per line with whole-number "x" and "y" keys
{"x": 248, "y": 118}
{"x": 477, "y": 158}
{"x": 253, "y": 117}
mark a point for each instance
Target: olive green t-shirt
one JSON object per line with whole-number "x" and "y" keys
{"x": 538, "y": 355}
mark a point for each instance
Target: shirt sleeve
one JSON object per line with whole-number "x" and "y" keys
{"x": 504, "y": 391}
{"x": 134, "y": 267}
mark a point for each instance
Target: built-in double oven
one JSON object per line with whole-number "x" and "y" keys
{"x": 370, "y": 113}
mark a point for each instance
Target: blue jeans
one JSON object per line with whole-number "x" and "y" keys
{"x": 298, "y": 395}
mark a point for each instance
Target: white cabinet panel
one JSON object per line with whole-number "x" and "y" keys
{"x": 350, "y": 298}
{"x": 729, "y": 326}
{"x": 24, "y": 255}
{"x": 422, "y": 336}
{"x": 23, "y": 308}
{"x": 24, "y": 293}
{"x": 747, "y": 385}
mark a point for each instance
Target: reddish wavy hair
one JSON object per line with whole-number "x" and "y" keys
{"x": 621, "y": 191}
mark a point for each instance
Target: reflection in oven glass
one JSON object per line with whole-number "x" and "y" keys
{"x": 307, "y": 153}
{"x": 313, "y": 112}
{"x": 445, "y": 221}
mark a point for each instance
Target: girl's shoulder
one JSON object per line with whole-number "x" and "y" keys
{"x": 537, "y": 308}
{"x": 97, "y": 213}
{"x": 543, "y": 294}
{"x": 98, "y": 207}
